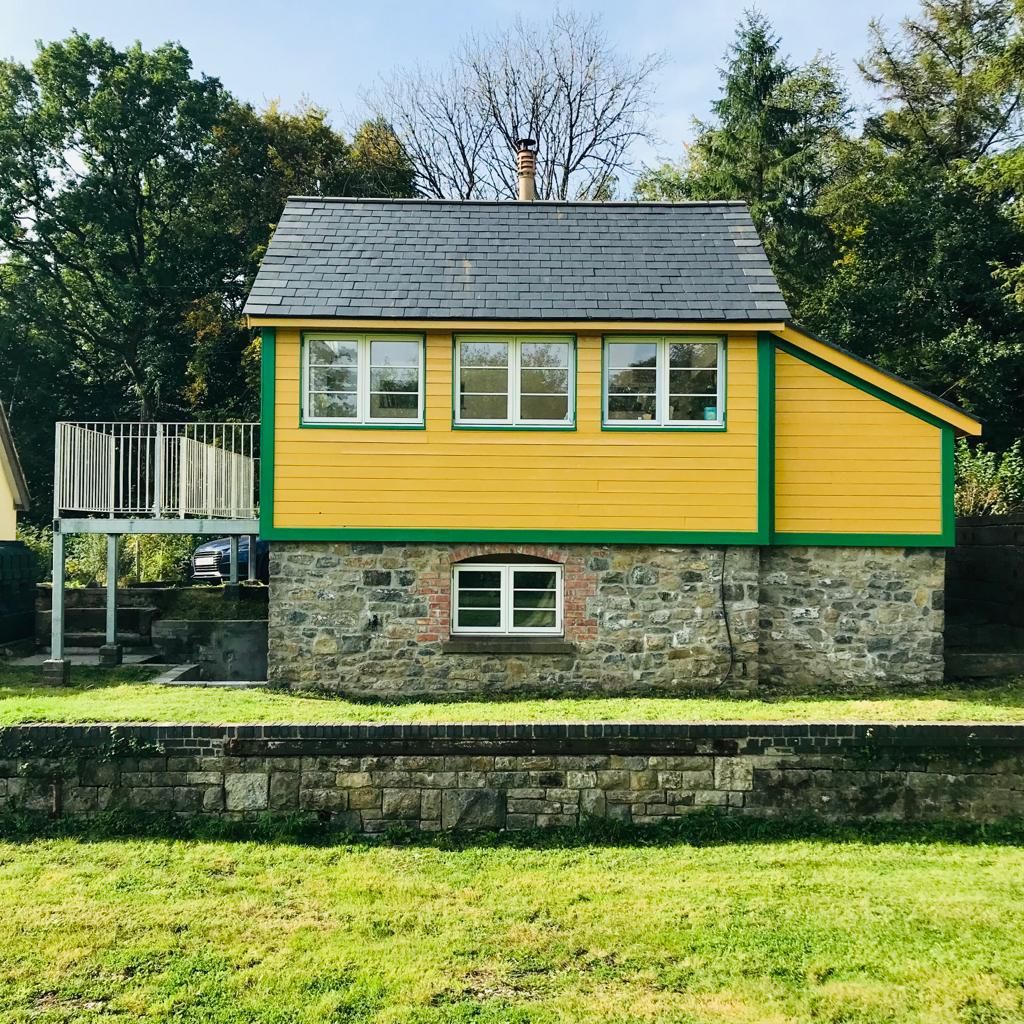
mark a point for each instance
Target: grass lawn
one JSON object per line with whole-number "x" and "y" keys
{"x": 104, "y": 696}
{"x": 779, "y": 932}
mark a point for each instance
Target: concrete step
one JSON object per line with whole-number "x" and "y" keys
{"x": 984, "y": 664}
{"x": 93, "y": 639}
{"x": 94, "y": 620}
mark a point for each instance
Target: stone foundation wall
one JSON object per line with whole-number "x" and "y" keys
{"x": 372, "y": 620}
{"x": 431, "y": 777}
{"x": 851, "y": 617}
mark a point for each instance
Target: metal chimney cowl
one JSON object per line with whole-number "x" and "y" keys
{"x": 526, "y": 163}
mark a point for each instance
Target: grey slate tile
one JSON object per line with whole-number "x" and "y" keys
{"x": 505, "y": 260}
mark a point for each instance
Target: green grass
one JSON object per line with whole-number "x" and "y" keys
{"x": 105, "y": 696}
{"x": 780, "y": 932}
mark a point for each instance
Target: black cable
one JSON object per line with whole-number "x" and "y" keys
{"x": 725, "y": 616}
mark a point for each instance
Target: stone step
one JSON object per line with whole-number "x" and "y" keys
{"x": 984, "y": 664}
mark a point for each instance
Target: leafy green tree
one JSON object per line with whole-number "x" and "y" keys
{"x": 100, "y": 151}
{"x": 773, "y": 143}
{"x": 951, "y": 80}
{"x": 136, "y": 200}
{"x": 926, "y": 213}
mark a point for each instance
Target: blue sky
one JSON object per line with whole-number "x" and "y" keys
{"x": 332, "y": 52}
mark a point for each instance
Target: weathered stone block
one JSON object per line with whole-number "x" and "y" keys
{"x": 401, "y": 803}
{"x": 247, "y": 791}
{"x": 284, "y": 791}
{"x": 473, "y": 809}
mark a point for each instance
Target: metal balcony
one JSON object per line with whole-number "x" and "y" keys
{"x": 118, "y": 478}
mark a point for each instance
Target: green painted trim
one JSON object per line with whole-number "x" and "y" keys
{"x": 361, "y": 533}
{"x": 765, "y": 437}
{"x": 861, "y": 385}
{"x": 711, "y": 428}
{"x": 305, "y": 424}
{"x": 567, "y": 429}
{"x": 861, "y": 540}
{"x": 362, "y": 426}
{"x": 948, "y": 486}
{"x": 268, "y": 396}
{"x": 564, "y": 427}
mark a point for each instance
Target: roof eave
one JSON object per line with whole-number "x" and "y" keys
{"x": 961, "y": 420}
{"x": 12, "y": 464}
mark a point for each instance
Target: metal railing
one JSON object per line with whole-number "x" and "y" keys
{"x": 158, "y": 470}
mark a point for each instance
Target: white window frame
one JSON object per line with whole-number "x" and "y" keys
{"x": 505, "y": 626}
{"x": 662, "y": 420}
{"x": 362, "y": 417}
{"x": 515, "y": 343}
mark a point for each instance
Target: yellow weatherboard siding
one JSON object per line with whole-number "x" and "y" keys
{"x": 583, "y": 479}
{"x": 8, "y": 514}
{"x": 847, "y": 462}
{"x": 957, "y": 418}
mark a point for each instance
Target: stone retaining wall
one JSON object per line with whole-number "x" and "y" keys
{"x": 372, "y": 620}
{"x": 517, "y": 776}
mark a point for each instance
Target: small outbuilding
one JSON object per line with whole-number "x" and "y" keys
{"x": 581, "y": 447}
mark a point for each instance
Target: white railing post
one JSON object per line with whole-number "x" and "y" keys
{"x": 158, "y": 471}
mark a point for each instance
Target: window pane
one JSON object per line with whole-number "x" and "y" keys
{"x": 533, "y": 619}
{"x": 334, "y": 406}
{"x": 483, "y": 353}
{"x": 542, "y": 407}
{"x": 544, "y": 353}
{"x": 693, "y": 382}
{"x": 528, "y": 579}
{"x": 544, "y": 382}
{"x": 631, "y": 407}
{"x": 479, "y": 598}
{"x": 632, "y": 382}
{"x": 480, "y": 618}
{"x": 394, "y": 353}
{"x": 484, "y": 381}
{"x": 394, "y": 406}
{"x": 483, "y": 407}
{"x": 535, "y": 599}
{"x": 333, "y": 353}
{"x": 395, "y": 379}
{"x": 485, "y": 579}
{"x": 632, "y": 354}
{"x": 686, "y": 407}
{"x": 698, "y": 354}
{"x": 328, "y": 378}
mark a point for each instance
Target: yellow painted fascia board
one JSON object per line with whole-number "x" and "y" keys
{"x": 552, "y": 326}
{"x": 956, "y": 418}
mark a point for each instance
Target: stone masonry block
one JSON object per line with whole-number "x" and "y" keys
{"x": 246, "y": 791}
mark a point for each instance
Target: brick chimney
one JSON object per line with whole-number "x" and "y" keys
{"x": 526, "y": 162}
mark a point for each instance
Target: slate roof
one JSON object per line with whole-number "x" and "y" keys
{"x": 441, "y": 259}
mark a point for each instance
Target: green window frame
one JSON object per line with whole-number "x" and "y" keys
{"x": 351, "y": 380}
{"x": 513, "y": 377}
{"x": 666, "y": 385}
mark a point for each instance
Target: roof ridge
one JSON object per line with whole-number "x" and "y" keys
{"x": 629, "y": 203}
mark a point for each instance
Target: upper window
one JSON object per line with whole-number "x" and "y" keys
{"x": 362, "y": 379}
{"x": 514, "y": 380}
{"x": 517, "y": 598}
{"x": 664, "y": 381}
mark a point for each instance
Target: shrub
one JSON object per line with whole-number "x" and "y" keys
{"x": 989, "y": 483}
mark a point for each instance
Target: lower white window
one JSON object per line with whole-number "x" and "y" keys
{"x": 493, "y": 598}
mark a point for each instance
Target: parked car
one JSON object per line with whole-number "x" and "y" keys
{"x": 212, "y": 561}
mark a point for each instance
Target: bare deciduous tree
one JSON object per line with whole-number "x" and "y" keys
{"x": 562, "y": 84}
